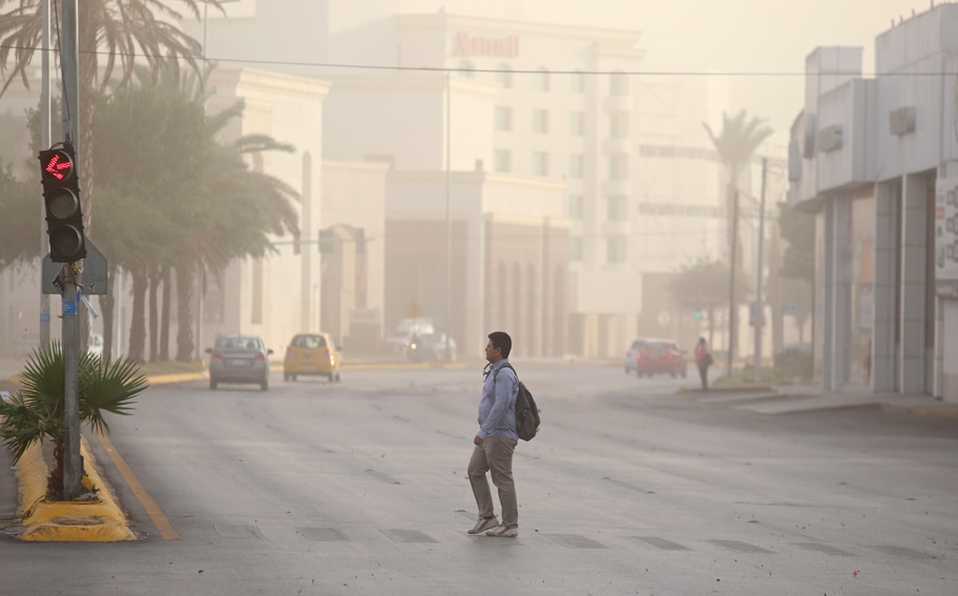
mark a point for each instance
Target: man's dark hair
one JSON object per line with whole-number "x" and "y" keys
{"x": 502, "y": 341}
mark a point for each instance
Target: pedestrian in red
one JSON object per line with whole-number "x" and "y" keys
{"x": 703, "y": 360}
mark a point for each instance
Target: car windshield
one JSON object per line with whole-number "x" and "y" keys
{"x": 637, "y": 345}
{"x": 237, "y": 343}
{"x": 309, "y": 341}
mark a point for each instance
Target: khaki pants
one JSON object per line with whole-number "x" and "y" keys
{"x": 495, "y": 455}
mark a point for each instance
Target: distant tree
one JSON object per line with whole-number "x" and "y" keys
{"x": 797, "y": 228}
{"x": 702, "y": 285}
{"x": 736, "y": 144}
{"x": 20, "y": 206}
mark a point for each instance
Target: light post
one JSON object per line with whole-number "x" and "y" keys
{"x": 759, "y": 305}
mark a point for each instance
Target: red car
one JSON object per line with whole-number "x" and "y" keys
{"x": 661, "y": 356}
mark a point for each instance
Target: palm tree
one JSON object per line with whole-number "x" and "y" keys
{"x": 736, "y": 144}
{"x": 124, "y": 32}
{"x": 175, "y": 197}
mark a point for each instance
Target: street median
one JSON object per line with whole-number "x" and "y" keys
{"x": 98, "y": 519}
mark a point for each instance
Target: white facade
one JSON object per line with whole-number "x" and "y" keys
{"x": 872, "y": 157}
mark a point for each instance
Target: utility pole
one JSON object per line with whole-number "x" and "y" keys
{"x": 45, "y": 141}
{"x": 759, "y": 305}
{"x": 448, "y": 353}
{"x": 72, "y": 461}
{"x": 732, "y": 319}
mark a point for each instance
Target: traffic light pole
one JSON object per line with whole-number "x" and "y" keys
{"x": 45, "y": 141}
{"x": 72, "y": 462}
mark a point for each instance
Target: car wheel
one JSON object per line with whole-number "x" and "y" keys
{"x": 626, "y": 370}
{"x": 332, "y": 377}
{"x": 212, "y": 384}
{"x": 264, "y": 385}
{"x": 285, "y": 376}
{"x": 338, "y": 377}
{"x": 673, "y": 375}
{"x": 685, "y": 373}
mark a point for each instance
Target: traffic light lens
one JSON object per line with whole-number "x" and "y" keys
{"x": 63, "y": 204}
{"x": 57, "y": 165}
{"x": 66, "y": 241}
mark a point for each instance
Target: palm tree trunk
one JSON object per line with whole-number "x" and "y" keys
{"x": 154, "y": 316}
{"x": 138, "y": 324}
{"x": 165, "y": 317}
{"x": 184, "y": 314}
{"x": 107, "y": 306}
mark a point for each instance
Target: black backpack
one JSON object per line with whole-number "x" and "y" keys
{"x": 527, "y": 413}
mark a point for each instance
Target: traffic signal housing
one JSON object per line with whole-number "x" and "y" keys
{"x": 61, "y": 198}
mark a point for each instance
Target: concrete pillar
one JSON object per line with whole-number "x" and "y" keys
{"x": 884, "y": 348}
{"x": 828, "y": 297}
{"x": 837, "y": 344}
{"x": 948, "y": 342}
{"x": 914, "y": 238}
{"x": 842, "y": 270}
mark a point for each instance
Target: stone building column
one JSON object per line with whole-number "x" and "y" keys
{"x": 837, "y": 345}
{"x": 914, "y": 239}
{"x": 884, "y": 344}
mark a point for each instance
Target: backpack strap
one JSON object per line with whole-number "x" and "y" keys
{"x": 506, "y": 365}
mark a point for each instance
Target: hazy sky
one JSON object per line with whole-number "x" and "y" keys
{"x": 719, "y": 35}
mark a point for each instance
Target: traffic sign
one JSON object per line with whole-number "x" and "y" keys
{"x": 94, "y": 272}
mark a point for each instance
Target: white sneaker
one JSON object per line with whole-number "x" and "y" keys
{"x": 484, "y": 524}
{"x": 503, "y": 532}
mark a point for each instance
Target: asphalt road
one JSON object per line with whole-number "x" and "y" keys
{"x": 359, "y": 487}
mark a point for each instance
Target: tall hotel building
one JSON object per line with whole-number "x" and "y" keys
{"x": 566, "y": 179}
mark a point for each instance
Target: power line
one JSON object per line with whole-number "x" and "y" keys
{"x": 461, "y": 69}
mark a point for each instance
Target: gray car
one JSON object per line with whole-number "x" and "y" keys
{"x": 239, "y": 359}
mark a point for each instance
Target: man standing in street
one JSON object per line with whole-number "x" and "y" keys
{"x": 496, "y": 441}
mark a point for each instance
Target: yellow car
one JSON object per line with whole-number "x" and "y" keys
{"x": 312, "y": 354}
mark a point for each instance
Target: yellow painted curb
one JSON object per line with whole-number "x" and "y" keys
{"x": 99, "y": 520}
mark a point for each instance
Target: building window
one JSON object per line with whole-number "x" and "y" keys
{"x": 503, "y": 118}
{"x": 540, "y": 163}
{"x": 540, "y": 80}
{"x": 615, "y": 249}
{"x": 466, "y": 69}
{"x": 619, "y": 167}
{"x": 577, "y": 124}
{"x": 619, "y": 83}
{"x": 576, "y": 206}
{"x": 504, "y": 76}
{"x": 619, "y": 125}
{"x": 576, "y": 165}
{"x": 617, "y": 208}
{"x": 540, "y": 121}
{"x": 503, "y": 160}
{"x": 575, "y": 249}
{"x": 577, "y": 82}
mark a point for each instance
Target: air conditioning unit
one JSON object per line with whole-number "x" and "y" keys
{"x": 902, "y": 120}
{"x": 830, "y": 138}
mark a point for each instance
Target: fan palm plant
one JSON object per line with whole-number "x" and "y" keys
{"x": 35, "y": 412}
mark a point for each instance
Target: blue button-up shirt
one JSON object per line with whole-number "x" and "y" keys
{"x": 497, "y": 409}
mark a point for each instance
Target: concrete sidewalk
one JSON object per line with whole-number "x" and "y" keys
{"x": 788, "y": 399}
